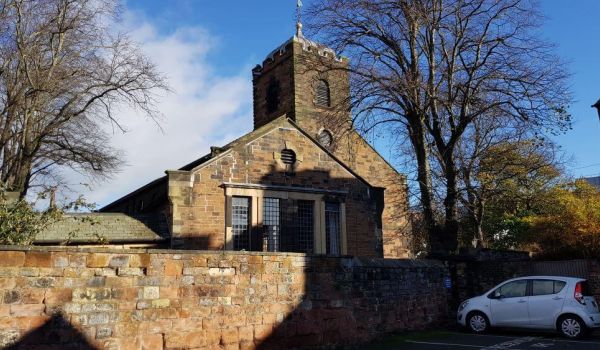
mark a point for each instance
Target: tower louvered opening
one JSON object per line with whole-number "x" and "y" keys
{"x": 323, "y": 97}
{"x": 288, "y": 156}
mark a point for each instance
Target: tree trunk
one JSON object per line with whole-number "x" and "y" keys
{"x": 481, "y": 241}
{"x": 416, "y": 131}
{"x": 450, "y": 231}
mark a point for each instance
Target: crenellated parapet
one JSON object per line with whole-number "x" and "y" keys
{"x": 307, "y": 45}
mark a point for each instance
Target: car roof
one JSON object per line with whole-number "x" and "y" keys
{"x": 563, "y": 278}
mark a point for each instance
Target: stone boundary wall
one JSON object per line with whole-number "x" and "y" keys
{"x": 84, "y": 298}
{"x": 472, "y": 278}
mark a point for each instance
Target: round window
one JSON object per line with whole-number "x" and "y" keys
{"x": 325, "y": 138}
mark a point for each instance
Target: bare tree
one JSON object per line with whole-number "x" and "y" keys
{"x": 64, "y": 68}
{"x": 430, "y": 68}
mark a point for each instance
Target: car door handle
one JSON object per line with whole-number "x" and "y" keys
{"x": 556, "y": 298}
{"x": 522, "y": 301}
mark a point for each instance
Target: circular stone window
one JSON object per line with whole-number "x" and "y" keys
{"x": 288, "y": 156}
{"x": 325, "y": 138}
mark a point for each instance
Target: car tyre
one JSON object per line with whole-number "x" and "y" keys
{"x": 477, "y": 322}
{"x": 571, "y": 327}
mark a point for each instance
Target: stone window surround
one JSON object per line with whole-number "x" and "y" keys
{"x": 329, "y": 133}
{"x": 258, "y": 192}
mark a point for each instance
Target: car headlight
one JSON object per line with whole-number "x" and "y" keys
{"x": 463, "y": 305}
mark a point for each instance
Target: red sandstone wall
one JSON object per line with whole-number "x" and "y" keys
{"x": 299, "y": 70}
{"x": 61, "y": 298}
{"x": 202, "y": 217}
{"x": 349, "y": 146}
{"x": 282, "y": 70}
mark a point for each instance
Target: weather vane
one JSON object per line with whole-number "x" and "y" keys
{"x": 597, "y": 106}
{"x": 299, "y": 18}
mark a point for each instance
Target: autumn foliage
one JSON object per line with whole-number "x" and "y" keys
{"x": 570, "y": 228}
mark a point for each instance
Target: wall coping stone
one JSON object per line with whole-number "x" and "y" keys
{"x": 345, "y": 260}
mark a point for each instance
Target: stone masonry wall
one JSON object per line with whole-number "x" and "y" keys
{"x": 472, "y": 278}
{"x": 349, "y": 146}
{"x": 201, "y": 210}
{"x": 298, "y": 68}
{"x": 72, "y": 298}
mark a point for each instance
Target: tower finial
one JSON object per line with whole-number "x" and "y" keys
{"x": 299, "y": 19}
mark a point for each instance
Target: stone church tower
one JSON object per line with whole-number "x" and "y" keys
{"x": 310, "y": 84}
{"x": 304, "y": 180}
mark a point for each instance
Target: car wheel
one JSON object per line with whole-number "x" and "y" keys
{"x": 477, "y": 322}
{"x": 571, "y": 326}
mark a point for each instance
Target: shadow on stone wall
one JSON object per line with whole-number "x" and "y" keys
{"x": 153, "y": 299}
{"x": 363, "y": 203}
{"x": 56, "y": 333}
{"x": 349, "y": 301}
{"x": 303, "y": 302}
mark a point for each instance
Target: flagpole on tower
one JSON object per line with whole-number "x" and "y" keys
{"x": 299, "y": 18}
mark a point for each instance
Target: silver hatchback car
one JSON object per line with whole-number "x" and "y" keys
{"x": 564, "y": 304}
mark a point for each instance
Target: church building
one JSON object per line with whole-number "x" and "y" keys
{"x": 304, "y": 180}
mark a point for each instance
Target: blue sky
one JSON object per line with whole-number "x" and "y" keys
{"x": 207, "y": 49}
{"x": 246, "y": 30}
{"x": 575, "y": 28}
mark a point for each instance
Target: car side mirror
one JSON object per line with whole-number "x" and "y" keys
{"x": 498, "y": 295}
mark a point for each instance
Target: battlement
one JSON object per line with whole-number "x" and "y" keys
{"x": 307, "y": 46}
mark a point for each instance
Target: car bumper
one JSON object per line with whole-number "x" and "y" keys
{"x": 592, "y": 320}
{"x": 460, "y": 319}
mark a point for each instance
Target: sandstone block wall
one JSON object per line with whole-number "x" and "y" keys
{"x": 70, "y": 298}
{"x": 349, "y": 146}
{"x": 298, "y": 68}
{"x": 199, "y": 218}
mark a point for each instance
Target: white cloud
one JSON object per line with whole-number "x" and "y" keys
{"x": 204, "y": 109}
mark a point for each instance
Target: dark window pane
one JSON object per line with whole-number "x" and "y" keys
{"x": 305, "y": 226}
{"x": 271, "y": 223}
{"x": 542, "y": 287}
{"x": 240, "y": 222}
{"x": 332, "y": 228}
{"x": 297, "y": 226}
{"x": 559, "y": 285}
{"x": 514, "y": 289}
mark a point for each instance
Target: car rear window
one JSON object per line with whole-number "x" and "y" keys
{"x": 546, "y": 287}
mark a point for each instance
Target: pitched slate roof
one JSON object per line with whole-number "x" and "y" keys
{"x": 105, "y": 228}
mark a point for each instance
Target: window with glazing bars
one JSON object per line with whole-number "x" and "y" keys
{"x": 240, "y": 223}
{"x": 305, "y": 226}
{"x": 272, "y": 224}
{"x": 332, "y": 228}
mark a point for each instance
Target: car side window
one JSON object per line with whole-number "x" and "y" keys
{"x": 558, "y": 286}
{"x": 546, "y": 287}
{"x": 514, "y": 289}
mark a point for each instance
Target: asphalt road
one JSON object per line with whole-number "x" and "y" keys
{"x": 495, "y": 341}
